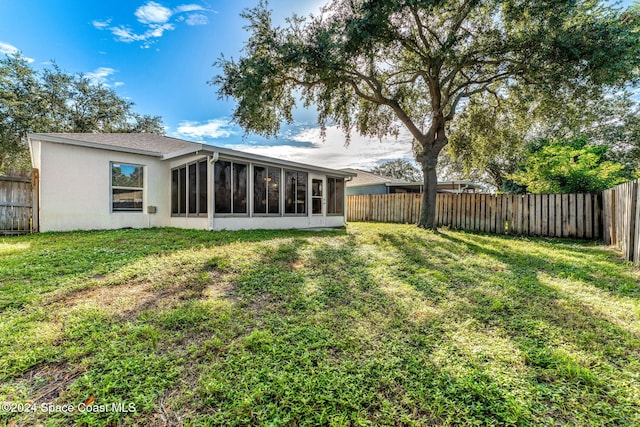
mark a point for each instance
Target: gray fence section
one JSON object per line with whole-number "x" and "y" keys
{"x": 17, "y": 199}
{"x": 544, "y": 215}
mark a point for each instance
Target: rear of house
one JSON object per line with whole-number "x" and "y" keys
{"x": 106, "y": 181}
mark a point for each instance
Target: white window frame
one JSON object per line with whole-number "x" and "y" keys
{"x": 118, "y": 187}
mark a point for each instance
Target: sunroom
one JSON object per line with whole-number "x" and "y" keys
{"x": 234, "y": 190}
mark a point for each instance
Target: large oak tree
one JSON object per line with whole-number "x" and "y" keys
{"x": 371, "y": 66}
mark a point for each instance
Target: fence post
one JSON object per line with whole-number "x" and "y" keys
{"x": 35, "y": 200}
{"x": 612, "y": 213}
{"x": 632, "y": 220}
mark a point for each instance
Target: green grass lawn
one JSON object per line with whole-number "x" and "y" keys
{"x": 377, "y": 324}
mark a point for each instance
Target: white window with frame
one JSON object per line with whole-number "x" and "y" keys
{"x": 127, "y": 187}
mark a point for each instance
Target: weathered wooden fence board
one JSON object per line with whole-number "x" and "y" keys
{"x": 621, "y": 219}
{"x": 16, "y": 200}
{"x": 547, "y": 215}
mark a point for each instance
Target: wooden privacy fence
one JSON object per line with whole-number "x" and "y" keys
{"x": 17, "y": 199}
{"x": 400, "y": 207}
{"x": 545, "y": 215}
{"x": 621, "y": 219}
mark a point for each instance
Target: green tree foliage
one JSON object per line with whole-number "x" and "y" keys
{"x": 371, "y": 66}
{"x": 491, "y": 136}
{"x": 52, "y": 100}
{"x": 569, "y": 166}
{"x": 399, "y": 169}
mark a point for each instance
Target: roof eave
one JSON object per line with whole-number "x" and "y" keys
{"x": 184, "y": 152}
{"x": 79, "y": 143}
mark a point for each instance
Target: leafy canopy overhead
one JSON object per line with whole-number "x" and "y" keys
{"x": 373, "y": 66}
{"x": 366, "y": 64}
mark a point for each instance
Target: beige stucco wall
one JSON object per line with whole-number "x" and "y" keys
{"x": 75, "y": 189}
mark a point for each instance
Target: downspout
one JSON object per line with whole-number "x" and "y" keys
{"x": 211, "y": 160}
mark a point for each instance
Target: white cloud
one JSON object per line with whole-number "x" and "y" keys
{"x": 101, "y": 25}
{"x": 125, "y": 34}
{"x": 8, "y": 49}
{"x": 211, "y": 129}
{"x": 158, "y": 31}
{"x": 188, "y": 8}
{"x": 362, "y": 152}
{"x": 197, "y": 19}
{"x": 156, "y": 19}
{"x": 118, "y": 84}
{"x": 153, "y": 13}
{"x": 99, "y": 75}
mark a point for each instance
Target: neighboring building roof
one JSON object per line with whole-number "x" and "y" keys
{"x": 363, "y": 178}
{"x": 453, "y": 185}
{"x": 164, "y": 147}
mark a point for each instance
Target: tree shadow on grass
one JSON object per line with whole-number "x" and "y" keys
{"x": 98, "y": 305}
{"x": 60, "y": 260}
{"x": 321, "y": 328}
{"x": 325, "y": 343}
{"x": 569, "y": 346}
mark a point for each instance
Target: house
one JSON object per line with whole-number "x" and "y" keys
{"x": 119, "y": 180}
{"x": 369, "y": 183}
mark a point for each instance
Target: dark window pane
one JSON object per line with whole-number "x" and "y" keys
{"x": 301, "y": 190}
{"x": 316, "y": 196}
{"x": 174, "y": 191}
{"x": 239, "y": 188}
{"x": 182, "y": 190}
{"x": 316, "y": 206}
{"x": 127, "y": 200}
{"x": 259, "y": 189}
{"x": 222, "y": 185}
{"x": 192, "y": 189}
{"x": 123, "y": 175}
{"x": 316, "y": 188}
{"x": 339, "y": 196}
{"x": 202, "y": 187}
{"x": 331, "y": 195}
{"x": 290, "y": 192}
{"x": 274, "y": 190}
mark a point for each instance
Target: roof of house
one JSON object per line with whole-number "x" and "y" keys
{"x": 140, "y": 142}
{"x": 165, "y": 147}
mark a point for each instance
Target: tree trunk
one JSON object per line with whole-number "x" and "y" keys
{"x": 428, "y": 209}
{"x": 496, "y": 175}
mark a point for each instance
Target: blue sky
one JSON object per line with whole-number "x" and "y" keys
{"x": 160, "y": 53}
